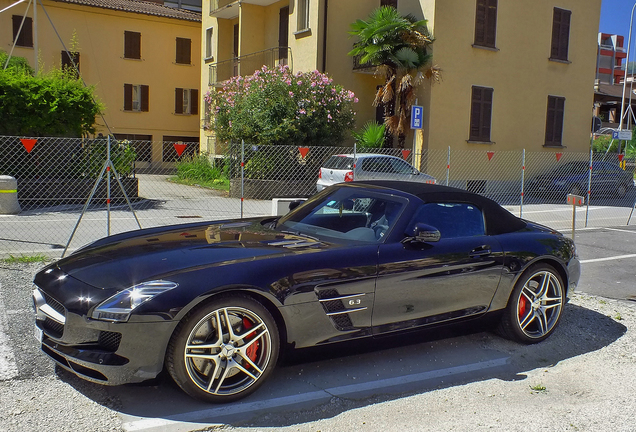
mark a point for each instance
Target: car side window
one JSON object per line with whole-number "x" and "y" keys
{"x": 451, "y": 219}
{"x": 401, "y": 167}
{"x": 374, "y": 164}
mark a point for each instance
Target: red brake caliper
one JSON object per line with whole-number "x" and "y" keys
{"x": 523, "y": 305}
{"x": 252, "y": 349}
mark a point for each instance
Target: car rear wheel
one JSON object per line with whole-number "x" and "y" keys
{"x": 621, "y": 191}
{"x": 224, "y": 350}
{"x": 535, "y": 305}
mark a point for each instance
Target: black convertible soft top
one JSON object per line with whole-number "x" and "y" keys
{"x": 498, "y": 219}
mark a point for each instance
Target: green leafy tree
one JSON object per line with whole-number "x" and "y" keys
{"x": 277, "y": 107}
{"x": 54, "y": 104}
{"x": 398, "y": 46}
{"x": 371, "y": 135}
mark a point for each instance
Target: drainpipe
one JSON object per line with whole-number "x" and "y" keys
{"x": 324, "y": 38}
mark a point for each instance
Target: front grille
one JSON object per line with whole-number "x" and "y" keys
{"x": 54, "y": 303}
{"x": 52, "y": 328}
{"x": 109, "y": 341}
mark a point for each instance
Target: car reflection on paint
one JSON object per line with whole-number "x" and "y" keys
{"x": 215, "y": 303}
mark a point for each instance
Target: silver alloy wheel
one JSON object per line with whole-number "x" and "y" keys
{"x": 621, "y": 191}
{"x": 539, "y": 304}
{"x": 228, "y": 351}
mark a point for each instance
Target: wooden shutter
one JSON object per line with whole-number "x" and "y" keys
{"x": 25, "y": 38}
{"x": 194, "y": 101}
{"x": 144, "y": 98}
{"x": 481, "y": 114}
{"x": 128, "y": 91}
{"x": 486, "y": 23}
{"x": 184, "y": 48}
{"x": 132, "y": 45}
{"x": 178, "y": 101}
{"x": 560, "y": 34}
{"x": 554, "y": 121}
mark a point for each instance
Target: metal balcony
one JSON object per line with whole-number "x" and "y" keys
{"x": 229, "y": 9}
{"x": 248, "y": 64}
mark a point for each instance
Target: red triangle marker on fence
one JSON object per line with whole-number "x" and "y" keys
{"x": 28, "y": 144}
{"x": 620, "y": 157}
{"x": 558, "y": 156}
{"x": 180, "y": 148}
{"x": 405, "y": 154}
{"x": 490, "y": 154}
{"x": 303, "y": 151}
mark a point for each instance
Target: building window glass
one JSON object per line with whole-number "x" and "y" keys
{"x": 132, "y": 45}
{"x": 303, "y": 15}
{"x": 208, "y": 42}
{"x": 184, "y": 48}
{"x": 71, "y": 62}
{"x": 554, "y": 121}
{"x": 186, "y": 101}
{"x": 481, "y": 114}
{"x": 25, "y": 38}
{"x": 392, "y": 3}
{"x": 560, "y": 34}
{"x": 486, "y": 23}
{"x": 136, "y": 97}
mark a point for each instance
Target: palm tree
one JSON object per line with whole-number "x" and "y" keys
{"x": 398, "y": 46}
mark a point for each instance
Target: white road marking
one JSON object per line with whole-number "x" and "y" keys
{"x": 238, "y": 408}
{"x": 608, "y": 258}
{"x": 8, "y": 367}
{"x": 621, "y": 230}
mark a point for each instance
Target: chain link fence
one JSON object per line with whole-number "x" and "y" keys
{"x": 69, "y": 196}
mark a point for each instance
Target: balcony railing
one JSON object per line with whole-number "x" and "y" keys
{"x": 358, "y": 66}
{"x": 248, "y": 64}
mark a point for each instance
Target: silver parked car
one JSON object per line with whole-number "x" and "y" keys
{"x": 368, "y": 166}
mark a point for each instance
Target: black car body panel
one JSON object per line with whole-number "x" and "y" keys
{"x": 319, "y": 289}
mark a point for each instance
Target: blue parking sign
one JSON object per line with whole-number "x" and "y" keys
{"x": 417, "y": 113}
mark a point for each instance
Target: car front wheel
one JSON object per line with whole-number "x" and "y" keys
{"x": 224, "y": 350}
{"x": 535, "y": 305}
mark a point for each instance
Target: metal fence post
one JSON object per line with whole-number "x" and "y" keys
{"x": 589, "y": 186}
{"x": 523, "y": 177}
{"x": 108, "y": 186}
{"x": 448, "y": 166}
{"x": 355, "y": 152}
{"x": 242, "y": 175}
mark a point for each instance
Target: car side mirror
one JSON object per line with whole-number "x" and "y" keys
{"x": 424, "y": 233}
{"x": 294, "y": 204}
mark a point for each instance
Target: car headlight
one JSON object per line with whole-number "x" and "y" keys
{"x": 120, "y": 306}
{"x": 559, "y": 183}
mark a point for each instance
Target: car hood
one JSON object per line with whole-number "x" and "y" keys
{"x": 133, "y": 257}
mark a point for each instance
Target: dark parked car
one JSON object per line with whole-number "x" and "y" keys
{"x": 214, "y": 303}
{"x": 574, "y": 177}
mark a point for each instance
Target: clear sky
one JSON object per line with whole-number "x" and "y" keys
{"x": 615, "y": 16}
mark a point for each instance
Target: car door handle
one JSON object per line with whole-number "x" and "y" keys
{"x": 480, "y": 251}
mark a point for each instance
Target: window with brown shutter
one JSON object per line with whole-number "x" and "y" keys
{"x": 132, "y": 45}
{"x": 480, "y": 114}
{"x": 69, "y": 65}
{"x": 183, "y": 51}
{"x": 486, "y": 23}
{"x": 186, "y": 101}
{"x": 560, "y": 34}
{"x": 25, "y": 38}
{"x": 554, "y": 121}
{"x": 136, "y": 97}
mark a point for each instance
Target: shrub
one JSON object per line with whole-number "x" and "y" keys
{"x": 371, "y": 135}
{"x": 274, "y": 106}
{"x": 198, "y": 168}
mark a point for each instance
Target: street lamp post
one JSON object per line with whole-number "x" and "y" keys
{"x": 629, "y": 43}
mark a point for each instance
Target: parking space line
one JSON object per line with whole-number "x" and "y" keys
{"x": 608, "y": 258}
{"x": 326, "y": 394}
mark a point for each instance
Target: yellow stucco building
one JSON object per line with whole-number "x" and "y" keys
{"x": 515, "y": 74}
{"x": 142, "y": 57}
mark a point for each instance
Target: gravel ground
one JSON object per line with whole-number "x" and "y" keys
{"x": 589, "y": 385}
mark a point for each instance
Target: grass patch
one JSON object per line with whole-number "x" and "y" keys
{"x": 539, "y": 388}
{"x": 618, "y": 317}
{"x": 24, "y": 259}
{"x": 200, "y": 170}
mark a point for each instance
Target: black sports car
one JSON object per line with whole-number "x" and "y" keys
{"x": 214, "y": 303}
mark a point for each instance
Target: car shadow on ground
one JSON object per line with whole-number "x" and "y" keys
{"x": 319, "y": 383}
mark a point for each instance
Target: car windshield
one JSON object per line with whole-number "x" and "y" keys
{"x": 345, "y": 215}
